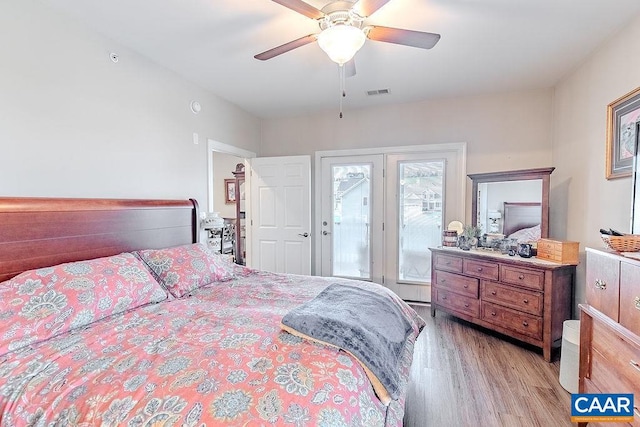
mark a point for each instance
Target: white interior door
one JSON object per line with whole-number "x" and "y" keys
{"x": 280, "y": 214}
{"x": 351, "y": 217}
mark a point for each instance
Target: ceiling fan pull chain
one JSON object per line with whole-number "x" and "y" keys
{"x": 343, "y": 76}
{"x": 342, "y": 86}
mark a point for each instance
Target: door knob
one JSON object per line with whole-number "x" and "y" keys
{"x": 305, "y": 234}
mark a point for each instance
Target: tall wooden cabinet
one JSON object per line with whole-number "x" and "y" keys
{"x": 523, "y": 298}
{"x": 240, "y": 226}
{"x": 610, "y": 327}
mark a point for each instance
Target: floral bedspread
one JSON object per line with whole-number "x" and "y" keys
{"x": 217, "y": 357}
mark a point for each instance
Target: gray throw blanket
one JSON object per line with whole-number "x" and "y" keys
{"x": 370, "y": 326}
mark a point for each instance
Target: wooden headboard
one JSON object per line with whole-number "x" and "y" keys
{"x": 40, "y": 232}
{"x": 520, "y": 215}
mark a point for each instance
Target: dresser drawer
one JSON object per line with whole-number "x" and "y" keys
{"x": 457, "y": 283}
{"x": 528, "y": 278}
{"x": 519, "y": 299}
{"x": 589, "y": 387}
{"x": 603, "y": 283}
{"x": 459, "y": 303}
{"x": 518, "y": 321}
{"x": 619, "y": 356}
{"x": 480, "y": 269}
{"x": 605, "y": 380}
{"x": 448, "y": 263}
{"x": 608, "y": 380}
{"x": 630, "y": 297}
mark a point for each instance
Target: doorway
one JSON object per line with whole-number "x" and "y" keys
{"x": 378, "y": 213}
{"x": 222, "y": 160}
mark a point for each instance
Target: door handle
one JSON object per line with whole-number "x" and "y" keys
{"x": 324, "y": 233}
{"x": 305, "y": 234}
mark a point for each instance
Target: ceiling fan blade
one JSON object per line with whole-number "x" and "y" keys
{"x": 286, "y": 47}
{"x": 368, "y": 7}
{"x": 404, "y": 37}
{"x": 350, "y": 68}
{"x": 302, "y": 8}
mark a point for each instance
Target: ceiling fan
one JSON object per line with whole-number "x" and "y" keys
{"x": 344, "y": 31}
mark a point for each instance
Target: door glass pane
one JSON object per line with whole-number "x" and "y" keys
{"x": 351, "y": 216}
{"x": 420, "y": 210}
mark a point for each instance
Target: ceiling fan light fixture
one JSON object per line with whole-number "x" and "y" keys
{"x": 341, "y": 42}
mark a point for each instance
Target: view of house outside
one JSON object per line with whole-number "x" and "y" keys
{"x": 420, "y": 209}
{"x": 419, "y": 219}
{"x": 351, "y": 226}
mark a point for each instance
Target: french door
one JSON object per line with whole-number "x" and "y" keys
{"x": 381, "y": 213}
{"x": 352, "y": 220}
{"x": 414, "y": 217}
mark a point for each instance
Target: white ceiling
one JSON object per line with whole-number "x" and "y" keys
{"x": 486, "y": 46}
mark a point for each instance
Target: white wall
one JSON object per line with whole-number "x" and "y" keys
{"x": 74, "y": 124}
{"x": 583, "y": 201}
{"x": 503, "y": 131}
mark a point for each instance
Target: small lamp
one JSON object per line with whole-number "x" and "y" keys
{"x": 494, "y": 217}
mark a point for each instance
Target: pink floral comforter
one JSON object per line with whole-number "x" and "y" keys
{"x": 215, "y": 357}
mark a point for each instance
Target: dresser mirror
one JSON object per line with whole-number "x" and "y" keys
{"x": 512, "y": 203}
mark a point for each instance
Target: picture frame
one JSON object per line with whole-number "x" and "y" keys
{"x": 622, "y": 116}
{"x": 635, "y": 192}
{"x": 229, "y": 191}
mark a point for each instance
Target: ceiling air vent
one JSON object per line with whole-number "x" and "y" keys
{"x": 378, "y": 92}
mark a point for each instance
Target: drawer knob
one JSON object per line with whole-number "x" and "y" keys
{"x": 636, "y": 302}
{"x": 521, "y": 277}
{"x": 479, "y": 268}
{"x": 493, "y": 313}
{"x": 444, "y": 297}
{"x": 493, "y": 292}
{"x": 525, "y": 323}
{"x": 634, "y": 364}
{"x": 526, "y": 301}
{"x": 465, "y": 286}
{"x": 442, "y": 281}
{"x": 600, "y": 284}
{"x": 466, "y": 304}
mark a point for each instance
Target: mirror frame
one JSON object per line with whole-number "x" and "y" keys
{"x": 516, "y": 175}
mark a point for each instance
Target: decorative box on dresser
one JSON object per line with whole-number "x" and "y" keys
{"x": 524, "y": 298}
{"x": 610, "y": 327}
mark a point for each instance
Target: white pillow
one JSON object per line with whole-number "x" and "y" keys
{"x": 526, "y": 235}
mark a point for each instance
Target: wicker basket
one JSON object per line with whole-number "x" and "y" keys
{"x": 626, "y": 243}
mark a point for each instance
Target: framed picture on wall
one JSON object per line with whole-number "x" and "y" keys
{"x": 229, "y": 191}
{"x": 622, "y": 116}
{"x": 635, "y": 189}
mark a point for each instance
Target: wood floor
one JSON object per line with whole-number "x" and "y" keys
{"x": 463, "y": 375}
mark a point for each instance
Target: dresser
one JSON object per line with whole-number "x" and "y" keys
{"x": 610, "y": 327}
{"x": 524, "y": 298}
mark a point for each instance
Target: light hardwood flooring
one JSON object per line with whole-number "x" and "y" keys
{"x": 463, "y": 375}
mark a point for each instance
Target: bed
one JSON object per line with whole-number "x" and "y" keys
{"x": 119, "y": 338}
{"x": 522, "y": 220}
